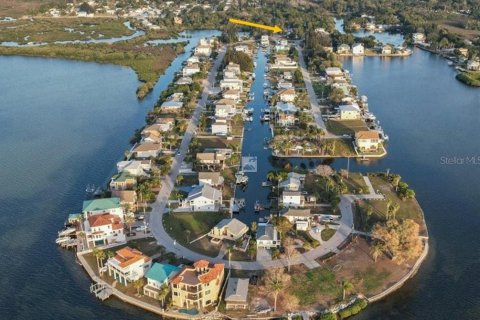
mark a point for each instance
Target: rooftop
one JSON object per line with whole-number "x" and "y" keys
{"x": 162, "y": 271}
{"x": 101, "y": 204}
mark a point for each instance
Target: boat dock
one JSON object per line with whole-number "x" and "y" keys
{"x": 101, "y": 291}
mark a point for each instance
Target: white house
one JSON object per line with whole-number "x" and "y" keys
{"x": 243, "y": 48}
{"x": 473, "y": 65}
{"x": 190, "y": 69}
{"x": 231, "y": 95}
{"x": 233, "y": 67}
{"x": 236, "y": 294}
{"x": 292, "y": 199}
{"x": 283, "y": 62}
{"x": 302, "y": 218}
{"x": 184, "y": 80}
{"x": 387, "y": 49}
{"x": 343, "y": 49}
{"x": 147, "y": 150}
{"x": 220, "y": 128}
{"x": 172, "y": 105}
{"x": 128, "y": 265}
{"x": 203, "y": 50}
{"x": 287, "y": 95}
{"x": 204, "y": 198}
{"x": 333, "y": 72}
{"x": 418, "y": 37}
{"x": 135, "y": 167}
{"x": 157, "y": 276}
{"x": 358, "y": 49}
{"x": 231, "y": 84}
{"x": 104, "y": 229}
{"x": 165, "y": 124}
{"x": 214, "y": 179}
{"x": 230, "y": 229}
{"x": 349, "y": 112}
{"x": 294, "y": 181}
{"x": 368, "y": 140}
{"x": 225, "y": 108}
{"x": 267, "y": 236}
{"x": 101, "y": 206}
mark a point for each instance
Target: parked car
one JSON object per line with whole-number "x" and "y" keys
{"x": 141, "y": 228}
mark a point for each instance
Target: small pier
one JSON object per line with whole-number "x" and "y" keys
{"x": 101, "y": 291}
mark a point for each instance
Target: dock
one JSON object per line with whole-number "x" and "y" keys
{"x": 101, "y": 291}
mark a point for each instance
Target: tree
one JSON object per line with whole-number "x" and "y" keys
{"x": 275, "y": 282}
{"x": 99, "y": 255}
{"x": 347, "y": 287}
{"x": 290, "y": 251}
{"x": 254, "y": 226}
{"x": 138, "y": 284}
{"x": 129, "y": 220}
{"x": 283, "y": 225}
{"x": 376, "y": 251}
{"x": 163, "y": 293}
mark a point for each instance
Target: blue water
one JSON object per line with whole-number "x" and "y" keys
{"x": 384, "y": 37}
{"x": 63, "y": 125}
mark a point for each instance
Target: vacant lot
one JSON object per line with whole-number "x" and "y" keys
{"x": 340, "y": 127}
{"x": 18, "y": 8}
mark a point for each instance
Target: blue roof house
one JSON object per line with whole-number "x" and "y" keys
{"x": 158, "y": 275}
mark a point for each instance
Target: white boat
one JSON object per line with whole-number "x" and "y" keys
{"x": 265, "y": 117}
{"x": 66, "y": 232}
{"x": 62, "y": 240}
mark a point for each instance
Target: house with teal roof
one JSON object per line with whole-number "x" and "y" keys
{"x": 101, "y": 206}
{"x": 157, "y": 276}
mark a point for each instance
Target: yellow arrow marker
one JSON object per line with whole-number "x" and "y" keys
{"x": 275, "y": 29}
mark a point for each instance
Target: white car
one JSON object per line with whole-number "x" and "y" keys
{"x": 141, "y": 228}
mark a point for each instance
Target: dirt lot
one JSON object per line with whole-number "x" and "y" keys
{"x": 17, "y": 8}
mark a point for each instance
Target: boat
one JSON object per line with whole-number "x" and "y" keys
{"x": 258, "y": 207}
{"x": 265, "y": 117}
{"x": 62, "y": 240}
{"x": 90, "y": 188}
{"x": 66, "y": 232}
{"x": 241, "y": 178}
{"x": 450, "y": 63}
{"x": 266, "y": 184}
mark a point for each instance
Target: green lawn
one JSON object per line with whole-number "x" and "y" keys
{"x": 355, "y": 183}
{"x": 306, "y": 286}
{"x": 327, "y": 234}
{"x": 470, "y": 78}
{"x": 340, "y": 127}
{"x": 370, "y": 278}
{"x": 185, "y": 227}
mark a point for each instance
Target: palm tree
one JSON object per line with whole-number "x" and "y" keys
{"x": 163, "y": 293}
{"x": 347, "y": 286}
{"x": 254, "y": 226}
{"x": 138, "y": 284}
{"x": 129, "y": 220}
{"x": 376, "y": 251}
{"x": 99, "y": 255}
{"x": 274, "y": 282}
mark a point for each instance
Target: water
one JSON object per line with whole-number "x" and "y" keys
{"x": 384, "y": 37}
{"x": 63, "y": 125}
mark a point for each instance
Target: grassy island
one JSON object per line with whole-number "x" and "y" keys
{"x": 469, "y": 78}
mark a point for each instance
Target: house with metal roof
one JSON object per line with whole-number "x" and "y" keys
{"x": 101, "y": 206}
{"x": 157, "y": 276}
{"x": 267, "y": 236}
{"x": 236, "y": 294}
{"x": 204, "y": 198}
{"x": 229, "y": 229}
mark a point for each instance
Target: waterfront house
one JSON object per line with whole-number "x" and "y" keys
{"x": 211, "y": 158}
{"x": 343, "y": 49}
{"x": 333, "y": 72}
{"x": 164, "y": 124}
{"x": 152, "y": 137}
{"x": 387, "y": 49}
{"x": 103, "y": 229}
{"x": 127, "y": 197}
{"x": 172, "y": 106}
{"x": 231, "y": 84}
{"x": 225, "y": 108}
{"x": 203, "y": 50}
{"x": 231, "y": 95}
{"x": 292, "y": 199}
{"x": 214, "y": 179}
{"x": 286, "y": 119}
{"x": 220, "y": 128}
{"x": 128, "y": 265}
{"x": 229, "y": 229}
{"x": 287, "y": 95}
{"x": 236, "y": 294}
{"x": 463, "y": 52}
{"x": 233, "y": 67}
{"x": 190, "y": 69}
{"x": 284, "y": 62}
{"x": 369, "y": 26}
{"x": 204, "y": 198}
{"x": 101, "y": 206}
{"x": 368, "y": 140}
{"x": 192, "y": 60}
{"x": 199, "y": 286}
{"x": 284, "y": 85}
{"x": 267, "y": 236}
{"x": 264, "y": 41}
{"x": 184, "y": 80}
{"x": 349, "y": 112}
{"x": 418, "y": 37}
{"x": 473, "y": 65}
{"x": 358, "y": 49}
{"x": 293, "y": 182}
{"x": 242, "y": 48}
{"x": 123, "y": 181}
{"x": 135, "y": 167}
{"x": 286, "y": 107}
{"x": 287, "y": 75}
{"x": 158, "y": 275}
{"x": 229, "y": 75}
{"x": 301, "y": 218}
{"x": 147, "y": 150}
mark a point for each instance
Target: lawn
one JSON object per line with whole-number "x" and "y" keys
{"x": 370, "y": 278}
{"x": 355, "y": 183}
{"x": 469, "y": 78}
{"x": 340, "y": 127}
{"x": 310, "y": 286}
{"x": 409, "y": 208}
{"x": 327, "y": 234}
{"x": 185, "y": 227}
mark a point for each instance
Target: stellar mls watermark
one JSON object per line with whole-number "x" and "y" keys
{"x": 249, "y": 164}
{"x": 456, "y": 160}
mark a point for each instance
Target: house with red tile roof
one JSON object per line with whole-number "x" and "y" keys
{"x": 128, "y": 265}
{"x": 197, "y": 286}
{"x": 104, "y": 229}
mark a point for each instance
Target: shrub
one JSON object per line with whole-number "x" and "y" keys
{"x": 327, "y": 316}
{"x": 345, "y": 313}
